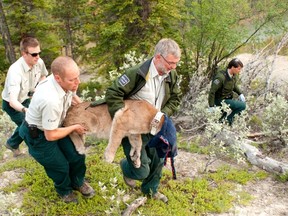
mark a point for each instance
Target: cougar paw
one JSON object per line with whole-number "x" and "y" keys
{"x": 81, "y": 150}
{"x": 134, "y": 156}
{"x": 137, "y": 163}
{"x": 108, "y": 156}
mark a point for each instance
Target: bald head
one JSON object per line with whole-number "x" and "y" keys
{"x": 62, "y": 64}
{"x": 66, "y": 73}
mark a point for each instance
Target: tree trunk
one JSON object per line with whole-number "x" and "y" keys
{"x": 69, "y": 45}
{"x": 271, "y": 133}
{"x": 6, "y": 37}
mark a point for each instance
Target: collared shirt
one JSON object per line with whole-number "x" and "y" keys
{"x": 153, "y": 91}
{"x": 230, "y": 75}
{"x": 21, "y": 79}
{"x": 49, "y": 105}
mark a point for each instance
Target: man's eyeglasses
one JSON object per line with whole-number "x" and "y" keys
{"x": 169, "y": 63}
{"x": 34, "y": 54}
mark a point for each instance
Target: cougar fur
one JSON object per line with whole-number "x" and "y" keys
{"x": 132, "y": 120}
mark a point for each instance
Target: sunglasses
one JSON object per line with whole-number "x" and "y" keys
{"x": 34, "y": 54}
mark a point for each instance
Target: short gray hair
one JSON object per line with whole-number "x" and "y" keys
{"x": 167, "y": 46}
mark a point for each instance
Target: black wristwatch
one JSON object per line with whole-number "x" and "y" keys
{"x": 23, "y": 109}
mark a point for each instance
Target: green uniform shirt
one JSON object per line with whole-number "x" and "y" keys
{"x": 222, "y": 87}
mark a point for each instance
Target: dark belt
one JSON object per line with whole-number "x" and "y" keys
{"x": 227, "y": 97}
{"x": 31, "y": 125}
{"x": 33, "y": 130}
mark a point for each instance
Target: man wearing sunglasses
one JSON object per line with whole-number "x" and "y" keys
{"x": 21, "y": 80}
{"x": 155, "y": 81}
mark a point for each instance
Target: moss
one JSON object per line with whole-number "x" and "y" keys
{"x": 282, "y": 178}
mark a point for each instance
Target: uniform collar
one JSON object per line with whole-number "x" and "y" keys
{"x": 230, "y": 75}
{"x": 25, "y": 65}
{"x": 59, "y": 89}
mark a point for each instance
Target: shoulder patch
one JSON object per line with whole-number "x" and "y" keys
{"x": 216, "y": 81}
{"x": 123, "y": 80}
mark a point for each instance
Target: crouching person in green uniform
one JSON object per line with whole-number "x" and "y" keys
{"x": 222, "y": 88}
{"x": 155, "y": 81}
{"x": 47, "y": 141}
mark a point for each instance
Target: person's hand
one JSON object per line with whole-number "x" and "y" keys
{"x": 211, "y": 109}
{"x": 242, "y": 98}
{"x": 80, "y": 129}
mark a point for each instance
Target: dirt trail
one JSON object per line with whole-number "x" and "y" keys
{"x": 270, "y": 196}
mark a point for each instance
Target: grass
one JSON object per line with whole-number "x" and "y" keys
{"x": 207, "y": 193}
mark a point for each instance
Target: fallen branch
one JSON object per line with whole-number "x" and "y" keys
{"x": 270, "y": 133}
{"x": 193, "y": 129}
{"x": 134, "y": 205}
{"x": 253, "y": 155}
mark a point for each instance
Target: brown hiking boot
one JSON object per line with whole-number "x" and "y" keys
{"x": 160, "y": 196}
{"x": 70, "y": 198}
{"x": 86, "y": 190}
{"x": 16, "y": 152}
{"x": 129, "y": 182}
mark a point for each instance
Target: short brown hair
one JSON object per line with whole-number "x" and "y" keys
{"x": 28, "y": 42}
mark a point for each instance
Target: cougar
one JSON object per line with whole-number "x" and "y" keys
{"x": 136, "y": 118}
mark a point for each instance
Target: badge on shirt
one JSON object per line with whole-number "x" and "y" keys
{"x": 216, "y": 81}
{"x": 124, "y": 80}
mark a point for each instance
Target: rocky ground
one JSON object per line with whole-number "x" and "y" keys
{"x": 270, "y": 197}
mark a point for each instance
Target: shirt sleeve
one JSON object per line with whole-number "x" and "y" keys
{"x": 174, "y": 99}
{"x": 237, "y": 88}
{"x": 43, "y": 68}
{"x": 14, "y": 83}
{"x": 216, "y": 84}
{"x": 116, "y": 93}
{"x": 50, "y": 115}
